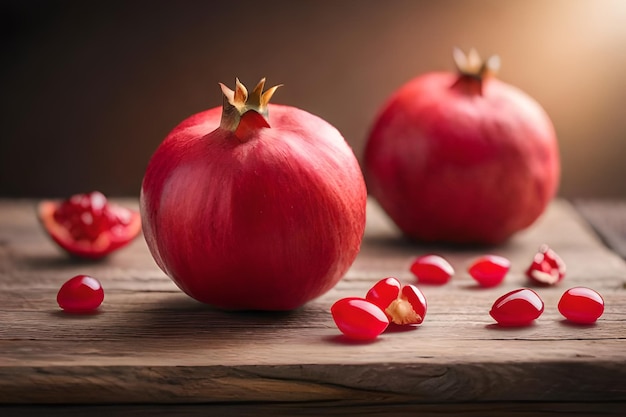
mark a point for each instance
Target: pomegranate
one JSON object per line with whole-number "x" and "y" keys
{"x": 88, "y": 225}
{"x": 254, "y": 206}
{"x": 462, "y": 158}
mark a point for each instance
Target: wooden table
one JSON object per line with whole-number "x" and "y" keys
{"x": 151, "y": 350}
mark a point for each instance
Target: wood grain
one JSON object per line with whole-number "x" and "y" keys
{"x": 151, "y": 344}
{"x": 608, "y": 218}
{"x": 323, "y": 408}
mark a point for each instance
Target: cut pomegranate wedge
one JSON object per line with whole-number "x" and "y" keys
{"x": 89, "y": 226}
{"x": 547, "y": 268}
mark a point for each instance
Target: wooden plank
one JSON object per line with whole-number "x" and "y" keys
{"x": 608, "y": 219}
{"x": 323, "y": 408}
{"x": 151, "y": 344}
{"x": 418, "y": 381}
{"x": 156, "y": 317}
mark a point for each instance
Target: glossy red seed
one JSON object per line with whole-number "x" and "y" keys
{"x": 402, "y": 304}
{"x": 489, "y": 270}
{"x": 547, "y": 268}
{"x": 80, "y": 294}
{"x": 358, "y": 318}
{"x": 581, "y": 305}
{"x": 85, "y": 215}
{"x": 384, "y": 292}
{"x": 517, "y": 308}
{"x": 432, "y": 269}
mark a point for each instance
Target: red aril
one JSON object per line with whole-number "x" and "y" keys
{"x": 358, "y": 318}
{"x": 462, "y": 157}
{"x": 547, "y": 268}
{"x": 489, "y": 270}
{"x": 517, "y": 308}
{"x": 384, "y": 292}
{"x": 581, "y": 305}
{"x": 80, "y": 294}
{"x": 402, "y": 304}
{"x": 88, "y": 225}
{"x": 254, "y": 206}
{"x": 432, "y": 269}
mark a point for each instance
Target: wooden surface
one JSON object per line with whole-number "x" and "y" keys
{"x": 151, "y": 350}
{"x": 608, "y": 218}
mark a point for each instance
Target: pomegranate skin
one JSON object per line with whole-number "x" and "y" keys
{"x": 267, "y": 223}
{"x": 459, "y": 159}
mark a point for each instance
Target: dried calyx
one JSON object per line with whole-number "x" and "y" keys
{"x": 472, "y": 67}
{"x": 239, "y": 102}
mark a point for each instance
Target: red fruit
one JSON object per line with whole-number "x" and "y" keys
{"x": 432, "y": 269}
{"x": 489, "y": 270}
{"x": 462, "y": 158}
{"x": 358, "y": 318}
{"x": 547, "y": 267}
{"x": 80, "y": 294}
{"x": 581, "y": 305}
{"x": 402, "y": 305}
{"x": 263, "y": 209}
{"x": 517, "y": 308}
{"x": 88, "y": 226}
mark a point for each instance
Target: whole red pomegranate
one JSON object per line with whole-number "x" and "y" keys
{"x": 462, "y": 158}
{"x": 254, "y": 206}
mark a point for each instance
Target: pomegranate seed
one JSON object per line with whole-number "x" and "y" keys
{"x": 489, "y": 270}
{"x": 358, "y": 318}
{"x": 517, "y": 308}
{"x": 384, "y": 292}
{"x": 80, "y": 294}
{"x": 402, "y": 305}
{"x": 432, "y": 269}
{"x": 86, "y": 216}
{"x": 581, "y": 305}
{"x": 547, "y": 268}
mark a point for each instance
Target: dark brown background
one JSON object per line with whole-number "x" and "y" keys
{"x": 88, "y": 89}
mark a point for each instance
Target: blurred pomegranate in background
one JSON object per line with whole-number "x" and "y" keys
{"x": 462, "y": 157}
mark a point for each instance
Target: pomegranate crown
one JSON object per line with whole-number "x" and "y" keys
{"x": 472, "y": 65}
{"x": 239, "y": 102}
